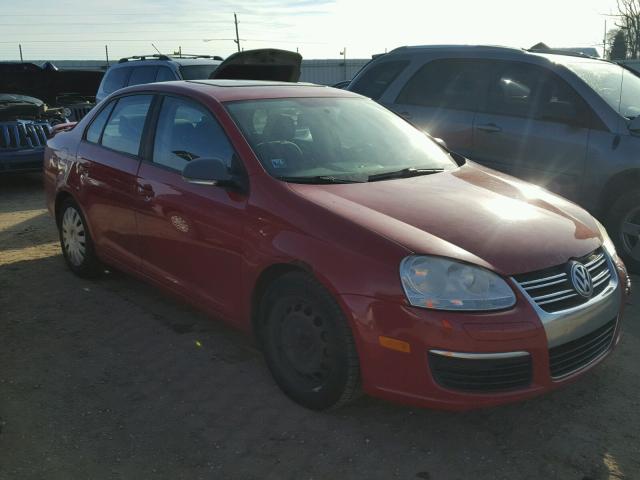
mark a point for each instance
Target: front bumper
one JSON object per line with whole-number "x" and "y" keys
{"x": 407, "y": 377}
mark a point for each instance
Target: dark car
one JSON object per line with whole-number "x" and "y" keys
{"x": 566, "y": 122}
{"x": 359, "y": 252}
{"x": 71, "y": 89}
{"x": 25, "y": 125}
{"x": 261, "y": 64}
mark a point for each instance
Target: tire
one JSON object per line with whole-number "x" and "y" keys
{"x": 308, "y": 344}
{"x": 624, "y": 225}
{"x": 75, "y": 241}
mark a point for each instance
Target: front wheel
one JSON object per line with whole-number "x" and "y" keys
{"x": 624, "y": 225}
{"x": 75, "y": 241}
{"x": 308, "y": 344}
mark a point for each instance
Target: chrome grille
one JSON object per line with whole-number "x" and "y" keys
{"x": 551, "y": 289}
{"x": 22, "y": 135}
{"x": 79, "y": 111}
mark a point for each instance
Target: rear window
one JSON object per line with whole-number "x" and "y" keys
{"x": 165, "y": 75}
{"x": 141, "y": 75}
{"x": 197, "y": 72}
{"x": 115, "y": 79}
{"x": 374, "y": 81}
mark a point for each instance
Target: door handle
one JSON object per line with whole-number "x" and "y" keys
{"x": 146, "y": 191}
{"x": 489, "y": 128}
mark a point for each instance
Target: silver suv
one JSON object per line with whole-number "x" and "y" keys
{"x": 568, "y": 123}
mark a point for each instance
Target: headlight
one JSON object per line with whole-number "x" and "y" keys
{"x": 607, "y": 243}
{"x": 442, "y": 284}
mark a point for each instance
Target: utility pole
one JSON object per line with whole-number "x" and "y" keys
{"x": 344, "y": 61}
{"x": 20, "y": 48}
{"x": 237, "y": 40}
{"x": 106, "y": 53}
{"x": 604, "y": 40}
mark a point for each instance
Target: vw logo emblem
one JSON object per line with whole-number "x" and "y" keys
{"x": 581, "y": 279}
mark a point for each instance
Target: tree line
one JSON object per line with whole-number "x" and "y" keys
{"x": 625, "y": 38}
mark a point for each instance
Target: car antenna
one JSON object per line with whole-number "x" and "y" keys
{"x": 156, "y": 49}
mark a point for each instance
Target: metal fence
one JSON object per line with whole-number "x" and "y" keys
{"x": 325, "y": 72}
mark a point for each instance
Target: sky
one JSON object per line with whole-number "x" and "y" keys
{"x": 80, "y": 29}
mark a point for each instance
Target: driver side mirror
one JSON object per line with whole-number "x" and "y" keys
{"x": 634, "y": 125}
{"x": 438, "y": 140}
{"x": 441, "y": 142}
{"x": 208, "y": 171}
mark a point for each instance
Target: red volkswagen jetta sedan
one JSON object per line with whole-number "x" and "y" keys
{"x": 362, "y": 254}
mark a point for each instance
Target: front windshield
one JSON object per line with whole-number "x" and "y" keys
{"x": 339, "y": 138}
{"x": 617, "y": 86}
{"x": 198, "y": 72}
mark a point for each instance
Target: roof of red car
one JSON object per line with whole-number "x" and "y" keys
{"x": 230, "y": 90}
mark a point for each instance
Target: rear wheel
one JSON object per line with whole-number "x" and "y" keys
{"x": 624, "y": 225}
{"x": 308, "y": 344}
{"x": 75, "y": 241}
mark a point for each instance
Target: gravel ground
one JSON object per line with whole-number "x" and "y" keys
{"x": 112, "y": 379}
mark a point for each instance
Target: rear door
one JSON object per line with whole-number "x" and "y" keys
{"x": 262, "y": 64}
{"x": 442, "y": 97}
{"x": 109, "y": 156}
{"x": 535, "y": 126}
{"x": 190, "y": 235}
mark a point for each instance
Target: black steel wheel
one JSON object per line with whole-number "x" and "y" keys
{"x": 308, "y": 344}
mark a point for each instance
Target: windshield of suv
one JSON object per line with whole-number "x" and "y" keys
{"x": 335, "y": 140}
{"x": 197, "y": 72}
{"x": 617, "y": 86}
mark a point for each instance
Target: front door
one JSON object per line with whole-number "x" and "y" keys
{"x": 190, "y": 235}
{"x": 108, "y": 160}
{"x": 534, "y": 126}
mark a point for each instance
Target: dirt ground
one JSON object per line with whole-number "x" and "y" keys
{"x": 112, "y": 379}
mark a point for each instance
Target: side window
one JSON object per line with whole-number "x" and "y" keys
{"x": 454, "y": 84}
{"x": 123, "y": 131}
{"x": 97, "y": 125}
{"x": 521, "y": 90}
{"x": 115, "y": 79}
{"x": 375, "y": 80}
{"x": 165, "y": 75}
{"x": 140, "y": 75}
{"x": 187, "y": 131}
{"x": 558, "y": 102}
{"x": 513, "y": 91}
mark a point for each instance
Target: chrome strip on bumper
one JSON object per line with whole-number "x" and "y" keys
{"x": 479, "y": 356}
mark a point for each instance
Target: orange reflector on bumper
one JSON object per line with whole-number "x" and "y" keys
{"x": 394, "y": 344}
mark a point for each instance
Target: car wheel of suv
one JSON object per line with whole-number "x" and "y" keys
{"x": 75, "y": 241}
{"x": 308, "y": 344}
{"x": 624, "y": 225}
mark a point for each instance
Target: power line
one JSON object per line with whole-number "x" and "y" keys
{"x": 94, "y": 40}
{"x": 184, "y": 22}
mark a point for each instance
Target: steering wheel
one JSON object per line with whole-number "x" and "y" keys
{"x": 281, "y": 149}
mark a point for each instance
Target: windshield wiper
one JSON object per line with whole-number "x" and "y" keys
{"x": 404, "y": 173}
{"x": 319, "y": 179}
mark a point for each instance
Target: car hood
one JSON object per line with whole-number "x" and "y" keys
{"x": 472, "y": 213}
{"x": 261, "y": 64}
